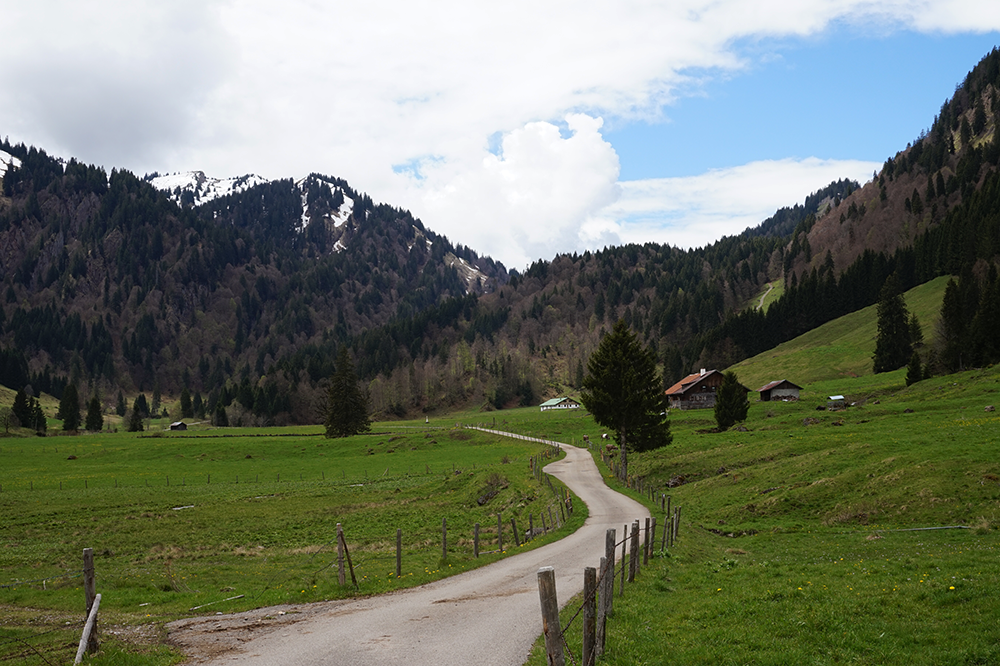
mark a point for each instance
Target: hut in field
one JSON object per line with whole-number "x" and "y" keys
{"x": 835, "y": 402}
{"x": 178, "y": 425}
{"x": 696, "y": 391}
{"x": 779, "y": 390}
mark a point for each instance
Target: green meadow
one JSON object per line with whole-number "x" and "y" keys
{"x": 865, "y": 536}
{"x": 225, "y": 520}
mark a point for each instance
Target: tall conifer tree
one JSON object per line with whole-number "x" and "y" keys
{"x": 893, "y": 346}
{"x": 624, "y": 393}
{"x": 347, "y": 405}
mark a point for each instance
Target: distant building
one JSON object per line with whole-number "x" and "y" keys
{"x": 836, "y": 402}
{"x": 779, "y": 390}
{"x": 696, "y": 391}
{"x": 560, "y": 403}
{"x": 179, "y": 425}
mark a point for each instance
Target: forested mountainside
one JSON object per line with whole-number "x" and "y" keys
{"x": 111, "y": 284}
{"x": 244, "y": 293}
{"x": 933, "y": 209}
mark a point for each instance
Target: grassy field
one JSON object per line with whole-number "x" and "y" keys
{"x": 840, "y": 349}
{"x": 178, "y": 522}
{"x": 867, "y": 535}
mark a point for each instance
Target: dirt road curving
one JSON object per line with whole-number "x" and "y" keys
{"x": 487, "y": 616}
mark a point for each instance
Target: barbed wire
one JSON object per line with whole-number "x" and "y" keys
{"x": 41, "y": 580}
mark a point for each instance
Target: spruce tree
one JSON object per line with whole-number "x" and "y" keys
{"x": 893, "y": 346}
{"x": 22, "y": 409}
{"x": 121, "y": 408}
{"x": 347, "y": 405}
{"x": 624, "y": 393}
{"x": 95, "y": 419}
{"x": 914, "y": 371}
{"x": 38, "y": 421}
{"x": 69, "y": 408}
{"x": 731, "y": 405}
{"x": 187, "y": 410}
{"x": 134, "y": 418}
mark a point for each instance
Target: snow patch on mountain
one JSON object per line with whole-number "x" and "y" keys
{"x": 6, "y": 161}
{"x": 469, "y": 273}
{"x": 202, "y": 188}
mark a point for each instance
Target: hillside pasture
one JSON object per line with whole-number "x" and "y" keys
{"x": 867, "y": 535}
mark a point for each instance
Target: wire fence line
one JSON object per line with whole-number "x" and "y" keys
{"x": 601, "y": 594}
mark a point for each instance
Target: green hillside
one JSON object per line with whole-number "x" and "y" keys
{"x": 841, "y": 348}
{"x": 867, "y": 535}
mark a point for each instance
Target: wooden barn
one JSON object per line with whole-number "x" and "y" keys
{"x": 696, "y": 391}
{"x": 779, "y": 390}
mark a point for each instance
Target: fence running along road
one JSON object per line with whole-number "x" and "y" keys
{"x": 486, "y": 616}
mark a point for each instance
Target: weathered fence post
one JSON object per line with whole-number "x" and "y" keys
{"x": 475, "y": 541}
{"x": 399, "y": 552}
{"x": 677, "y": 523}
{"x": 645, "y": 545}
{"x": 652, "y": 537}
{"x": 545, "y": 528}
{"x": 589, "y": 615}
{"x": 621, "y": 590}
{"x": 550, "y": 616}
{"x": 499, "y": 533}
{"x": 89, "y": 631}
{"x": 633, "y": 556}
{"x": 90, "y": 594}
{"x": 444, "y": 538}
{"x": 340, "y": 555}
{"x": 517, "y": 538}
{"x": 609, "y": 574}
{"x": 531, "y": 527}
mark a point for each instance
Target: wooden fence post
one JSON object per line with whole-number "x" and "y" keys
{"x": 89, "y": 631}
{"x": 621, "y": 590}
{"x": 677, "y": 523}
{"x": 550, "y": 616}
{"x": 589, "y": 615}
{"x": 517, "y": 537}
{"x": 444, "y": 538}
{"x": 609, "y": 574}
{"x": 399, "y": 552}
{"x": 645, "y": 545}
{"x": 531, "y": 527}
{"x": 340, "y": 555}
{"x": 652, "y": 537}
{"x": 633, "y": 556}
{"x": 499, "y": 533}
{"x": 475, "y": 541}
{"x": 90, "y": 594}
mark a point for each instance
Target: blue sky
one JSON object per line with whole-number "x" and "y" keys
{"x": 520, "y": 129}
{"x": 840, "y": 95}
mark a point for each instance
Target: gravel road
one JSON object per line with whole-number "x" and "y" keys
{"x": 488, "y": 616}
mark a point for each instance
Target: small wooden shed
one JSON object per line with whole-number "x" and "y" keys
{"x": 779, "y": 390}
{"x": 178, "y": 425}
{"x": 836, "y": 402}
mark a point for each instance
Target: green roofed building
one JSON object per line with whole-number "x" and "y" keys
{"x": 560, "y": 403}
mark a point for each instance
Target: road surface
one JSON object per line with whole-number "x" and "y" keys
{"x": 488, "y": 616}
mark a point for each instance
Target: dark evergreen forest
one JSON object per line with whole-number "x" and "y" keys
{"x": 245, "y": 301}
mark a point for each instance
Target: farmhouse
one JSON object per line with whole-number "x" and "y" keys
{"x": 560, "y": 403}
{"x": 178, "y": 425}
{"x": 779, "y": 390}
{"x": 696, "y": 391}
